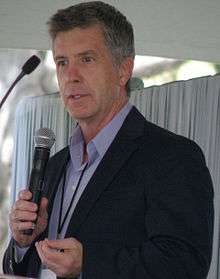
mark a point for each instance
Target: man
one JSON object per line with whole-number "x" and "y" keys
{"x": 126, "y": 199}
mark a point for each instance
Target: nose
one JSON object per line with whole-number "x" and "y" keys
{"x": 72, "y": 73}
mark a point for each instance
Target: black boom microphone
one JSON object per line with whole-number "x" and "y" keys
{"x": 29, "y": 66}
{"x": 44, "y": 140}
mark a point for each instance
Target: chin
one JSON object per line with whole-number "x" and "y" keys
{"x": 79, "y": 115}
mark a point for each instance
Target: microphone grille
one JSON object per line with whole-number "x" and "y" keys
{"x": 44, "y": 137}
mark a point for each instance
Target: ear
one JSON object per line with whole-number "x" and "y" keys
{"x": 125, "y": 70}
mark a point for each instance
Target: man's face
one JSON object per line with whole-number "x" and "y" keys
{"x": 91, "y": 87}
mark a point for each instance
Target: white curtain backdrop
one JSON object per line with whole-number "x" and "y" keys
{"x": 190, "y": 108}
{"x": 32, "y": 114}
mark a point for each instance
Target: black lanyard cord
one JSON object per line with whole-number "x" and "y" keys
{"x": 61, "y": 224}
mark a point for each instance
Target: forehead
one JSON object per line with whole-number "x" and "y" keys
{"x": 80, "y": 39}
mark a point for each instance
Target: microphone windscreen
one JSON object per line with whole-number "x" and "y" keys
{"x": 30, "y": 65}
{"x": 44, "y": 138}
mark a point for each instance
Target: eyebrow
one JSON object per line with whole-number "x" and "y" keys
{"x": 87, "y": 52}
{"x": 59, "y": 57}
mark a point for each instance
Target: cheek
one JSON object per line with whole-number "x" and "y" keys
{"x": 108, "y": 80}
{"x": 60, "y": 80}
{"x": 61, "y": 91}
{"x": 61, "y": 86}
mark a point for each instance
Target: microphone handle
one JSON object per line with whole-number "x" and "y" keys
{"x": 36, "y": 199}
{"x": 41, "y": 156}
{"x": 11, "y": 87}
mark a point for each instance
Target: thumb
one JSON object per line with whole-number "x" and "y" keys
{"x": 43, "y": 207}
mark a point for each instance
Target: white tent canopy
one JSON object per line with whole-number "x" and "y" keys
{"x": 177, "y": 29}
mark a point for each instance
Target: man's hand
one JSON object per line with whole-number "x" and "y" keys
{"x": 24, "y": 214}
{"x": 63, "y": 256}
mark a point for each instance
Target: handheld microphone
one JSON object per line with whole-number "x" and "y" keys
{"x": 44, "y": 140}
{"x": 29, "y": 66}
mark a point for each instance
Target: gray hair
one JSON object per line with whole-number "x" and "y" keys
{"x": 117, "y": 30}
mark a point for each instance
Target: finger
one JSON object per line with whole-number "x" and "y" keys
{"x": 63, "y": 264}
{"x": 24, "y": 205}
{"x": 67, "y": 243}
{"x": 21, "y": 226}
{"x": 49, "y": 257}
{"x": 52, "y": 252}
{"x": 40, "y": 252}
{"x": 56, "y": 261}
{"x": 25, "y": 195}
{"x": 21, "y": 215}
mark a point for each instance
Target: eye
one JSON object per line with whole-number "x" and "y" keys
{"x": 87, "y": 59}
{"x": 61, "y": 62}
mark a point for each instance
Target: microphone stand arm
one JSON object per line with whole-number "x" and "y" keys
{"x": 20, "y": 76}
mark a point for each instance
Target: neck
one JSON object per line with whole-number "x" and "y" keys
{"x": 91, "y": 128}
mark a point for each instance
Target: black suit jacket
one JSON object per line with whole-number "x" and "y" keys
{"x": 147, "y": 212}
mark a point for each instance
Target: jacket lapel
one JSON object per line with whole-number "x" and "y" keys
{"x": 117, "y": 155}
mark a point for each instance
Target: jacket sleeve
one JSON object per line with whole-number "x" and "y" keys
{"x": 8, "y": 259}
{"x": 178, "y": 225}
{"x": 10, "y": 266}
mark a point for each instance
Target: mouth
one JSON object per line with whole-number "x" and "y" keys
{"x": 77, "y": 96}
{"x": 77, "y": 99}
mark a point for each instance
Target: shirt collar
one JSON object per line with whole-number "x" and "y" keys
{"x": 76, "y": 147}
{"x": 98, "y": 146}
